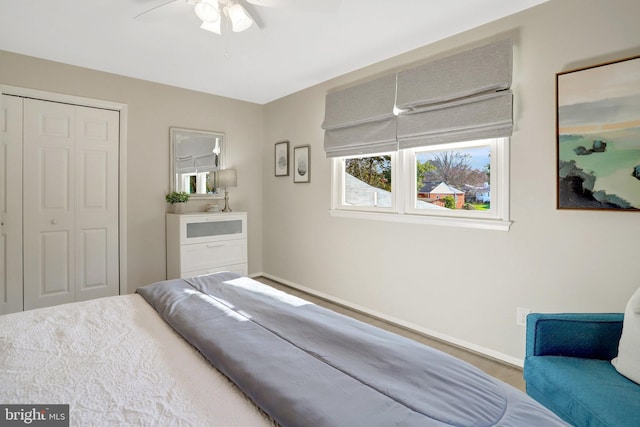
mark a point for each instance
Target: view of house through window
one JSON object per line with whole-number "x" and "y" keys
{"x": 454, "y": 178}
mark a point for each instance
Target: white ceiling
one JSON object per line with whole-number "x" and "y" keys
{"x": 294, "y": 47}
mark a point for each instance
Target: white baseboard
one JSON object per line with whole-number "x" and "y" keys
{"x": 430, "y": 333}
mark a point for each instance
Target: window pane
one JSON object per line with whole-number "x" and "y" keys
{"x": 367, "y": 181}
{"x": 454, "y": 179}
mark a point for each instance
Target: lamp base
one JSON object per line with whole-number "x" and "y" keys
{"x": 226, "y": 202}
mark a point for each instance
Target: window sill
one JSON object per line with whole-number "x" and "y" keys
{"x": 483, "y": 224}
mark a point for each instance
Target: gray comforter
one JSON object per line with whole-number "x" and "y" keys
{"x": 308, "y": 366}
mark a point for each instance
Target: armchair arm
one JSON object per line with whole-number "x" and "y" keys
{"x": 586, "y": 335}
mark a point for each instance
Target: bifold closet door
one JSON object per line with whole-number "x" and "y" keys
{"x": 70, "y": 203}
{"x": 10, "y": 204}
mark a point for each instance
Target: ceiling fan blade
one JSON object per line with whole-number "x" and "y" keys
{"x": 321, "y": 6}
{"x": 153, "y": 8}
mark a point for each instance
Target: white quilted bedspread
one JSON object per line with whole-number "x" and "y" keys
{"x": 115, "y": 362}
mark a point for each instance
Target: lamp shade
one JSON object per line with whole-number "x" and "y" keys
{"x": 227, "y": 178}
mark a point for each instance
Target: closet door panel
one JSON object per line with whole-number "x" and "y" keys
{"x": 54, "y": 170}
{"x": 97, "y": 142}
{"x": 93, "y": 189}
{"x": 54, "y": 249}
{"x": 49, "y": 203}
{"x": 10, "y": 204}
{"x": 93, "y": 260}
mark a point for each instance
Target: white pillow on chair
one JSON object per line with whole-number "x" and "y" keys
{"x": 628, "y": 360}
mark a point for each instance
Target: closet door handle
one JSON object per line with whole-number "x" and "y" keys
{"x": 54, "y": 221}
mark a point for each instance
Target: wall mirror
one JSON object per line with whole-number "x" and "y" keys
{"x": 195, "y": 155}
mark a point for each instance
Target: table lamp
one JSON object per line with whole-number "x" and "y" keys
{"x": 226, "y": 178}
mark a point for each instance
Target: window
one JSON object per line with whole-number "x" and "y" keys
{"x": 464, "y": 184}
{"x": 367, "y": 182}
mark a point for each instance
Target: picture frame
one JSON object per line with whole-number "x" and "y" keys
{"x": 302, "y": 164}
{"x": 194, "y": 158}
{"x": 598, "y": 136}
{"x": 281, "y": 158}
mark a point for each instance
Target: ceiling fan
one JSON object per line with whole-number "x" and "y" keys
{"x": 216, "y": 14}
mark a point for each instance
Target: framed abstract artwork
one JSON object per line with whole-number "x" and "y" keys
{"x": 301, "y": 163}
{"x": 598, "y": 136}
{"x": 281, "y": 158}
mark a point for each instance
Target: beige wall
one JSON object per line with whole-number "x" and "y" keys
{"x": 549, "y": 261}
{"x": 152, "y": 108}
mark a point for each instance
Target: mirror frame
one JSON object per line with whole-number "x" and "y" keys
{"x": 174, "y": 135}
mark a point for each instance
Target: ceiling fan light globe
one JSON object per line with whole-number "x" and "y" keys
{"x": 214, "y": 27}
{"x": 207, "y": 11}
{"x": 239, "y": 17}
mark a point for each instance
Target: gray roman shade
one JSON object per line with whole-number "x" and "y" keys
{"x": 458, "y": 98}
{"x": 359, "y": 120}
{"x": 462, "y": 97}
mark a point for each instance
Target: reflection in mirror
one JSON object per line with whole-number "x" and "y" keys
{"x": 195, "y": 156}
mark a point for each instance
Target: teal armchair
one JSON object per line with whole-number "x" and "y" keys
{"x": 568, "y": 369}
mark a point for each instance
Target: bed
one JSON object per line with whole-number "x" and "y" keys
{"x": 225, "y": 350}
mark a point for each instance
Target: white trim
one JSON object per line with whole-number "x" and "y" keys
{"x": 479, "y": 223}
{"x": 428, "y": 332}
{"x": 60, "y": 97}
{"x": 122, "y": 166}
{"x": 503, "y": 183}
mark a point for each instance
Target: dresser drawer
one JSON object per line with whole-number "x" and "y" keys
{"x": 236, "y": 268}
{"x": 204, "y": 256}
{"x": 210, "y": 228}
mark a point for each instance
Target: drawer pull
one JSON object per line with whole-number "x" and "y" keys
{"x": 211, "y": 245}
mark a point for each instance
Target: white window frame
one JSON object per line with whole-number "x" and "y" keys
{"x": 338, "y": 192}
{"x": 403, "y": 172}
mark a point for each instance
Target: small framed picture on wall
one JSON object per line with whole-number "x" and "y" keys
{"x": 302, "y": 164}
{"x": 281, "y": 158}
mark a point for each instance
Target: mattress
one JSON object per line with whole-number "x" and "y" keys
{"x": 116, "y": 363}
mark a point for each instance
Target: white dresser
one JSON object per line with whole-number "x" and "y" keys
{"x": 202, "y": 243}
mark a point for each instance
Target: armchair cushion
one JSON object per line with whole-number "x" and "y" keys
{"x": 587, "y": 335}
{"x": 628, "y": 360}
{"x": 583, "y": 392}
